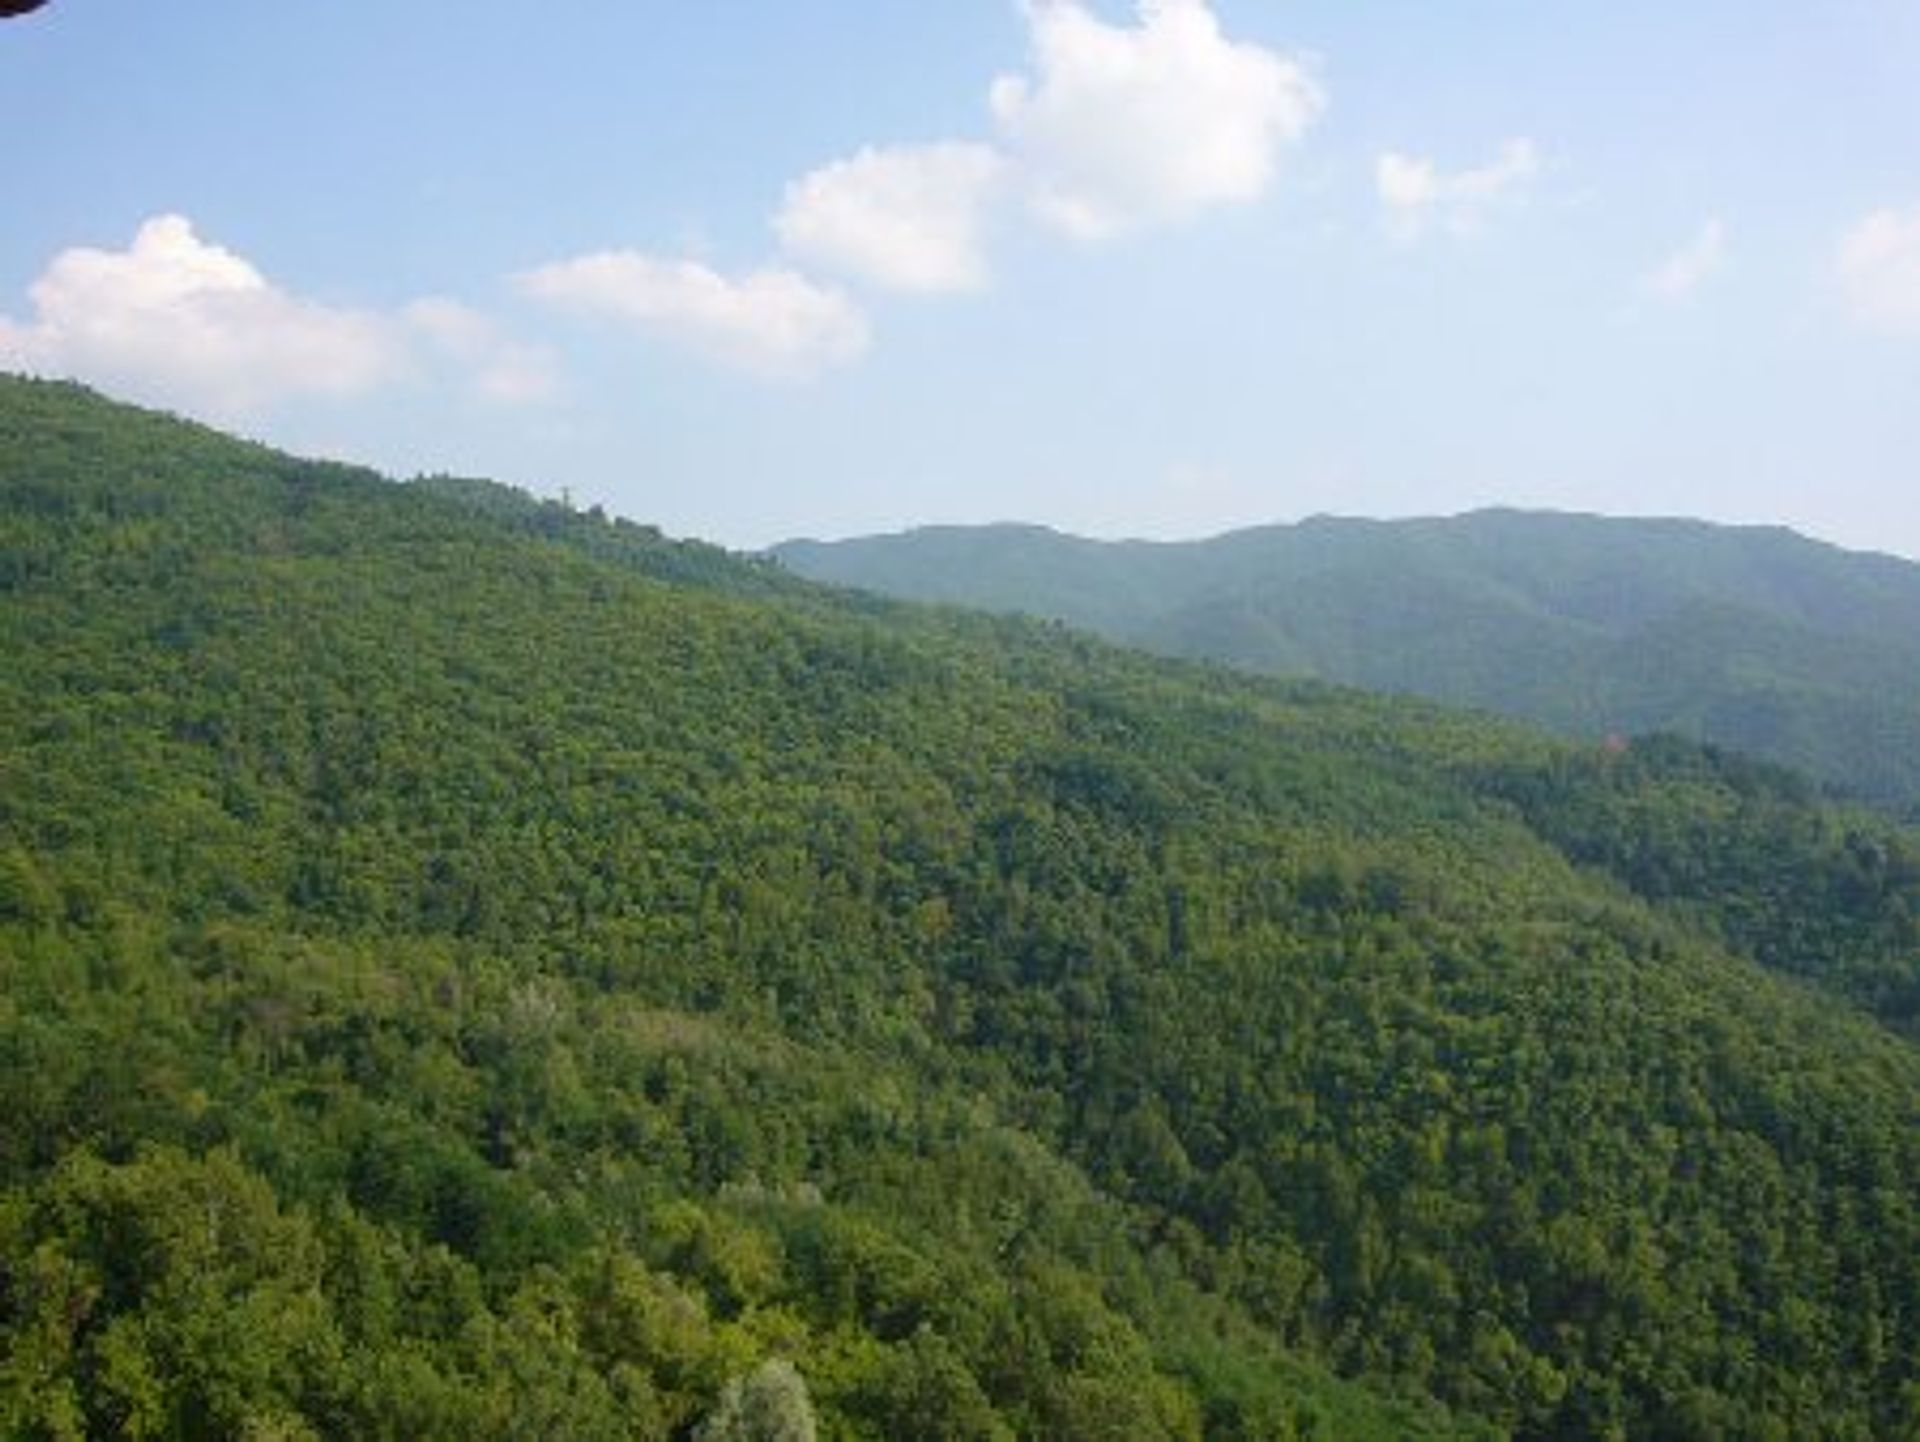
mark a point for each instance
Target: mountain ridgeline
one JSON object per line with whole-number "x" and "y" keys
{"x": 1751, "y": 638}
{"x": 474, "y": 969}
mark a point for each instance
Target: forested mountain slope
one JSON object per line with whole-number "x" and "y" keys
{"x": 472, "y": 970}
{"x": 1748, "y": 637}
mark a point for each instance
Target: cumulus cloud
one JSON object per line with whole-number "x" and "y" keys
{"x": 174, "y": 318}
{"x": 181, "y": 321}
{"x": 906, "y": 217}
{"x": 1878, "y": 264}
{"x": 770, "y": 322}
{"x": 1114, "y": 127}
{"x": 1415, "y": 191}
{"x": 1124, "y": 126}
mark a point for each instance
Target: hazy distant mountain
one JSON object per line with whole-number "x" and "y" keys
{"x": 1751, "y": 637}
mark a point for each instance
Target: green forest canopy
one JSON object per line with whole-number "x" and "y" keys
{"x": 469, "y": 968}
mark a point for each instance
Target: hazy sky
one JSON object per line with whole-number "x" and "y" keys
{"x": 750, "y": 270}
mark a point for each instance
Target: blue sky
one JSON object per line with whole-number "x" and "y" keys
{"x": 751, "y": 270}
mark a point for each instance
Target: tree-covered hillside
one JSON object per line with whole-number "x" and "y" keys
{"x": 1751, "y": 638}
{"x": 469, "y": 969}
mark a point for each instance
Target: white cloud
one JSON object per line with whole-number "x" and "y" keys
{"x": 180, "y": 321}
{"x": 1123, "y": 126}
{"x": 1416, "y": 191}
{"x": 1694, "y": 263}
{"x": 771, "y": 322}
{"x": 1117, "y": 127}
{"x": 907, "y": 217}
{"x": 1878, "y": 264}
{"x": 175, "y": 319}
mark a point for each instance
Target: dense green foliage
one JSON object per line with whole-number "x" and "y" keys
{"x": 1737, "y": 848}
{"x": 472, "y": 970}
{"x": 1751, "y": 638}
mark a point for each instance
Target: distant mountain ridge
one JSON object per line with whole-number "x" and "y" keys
{"x": 1751, "y": 637}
